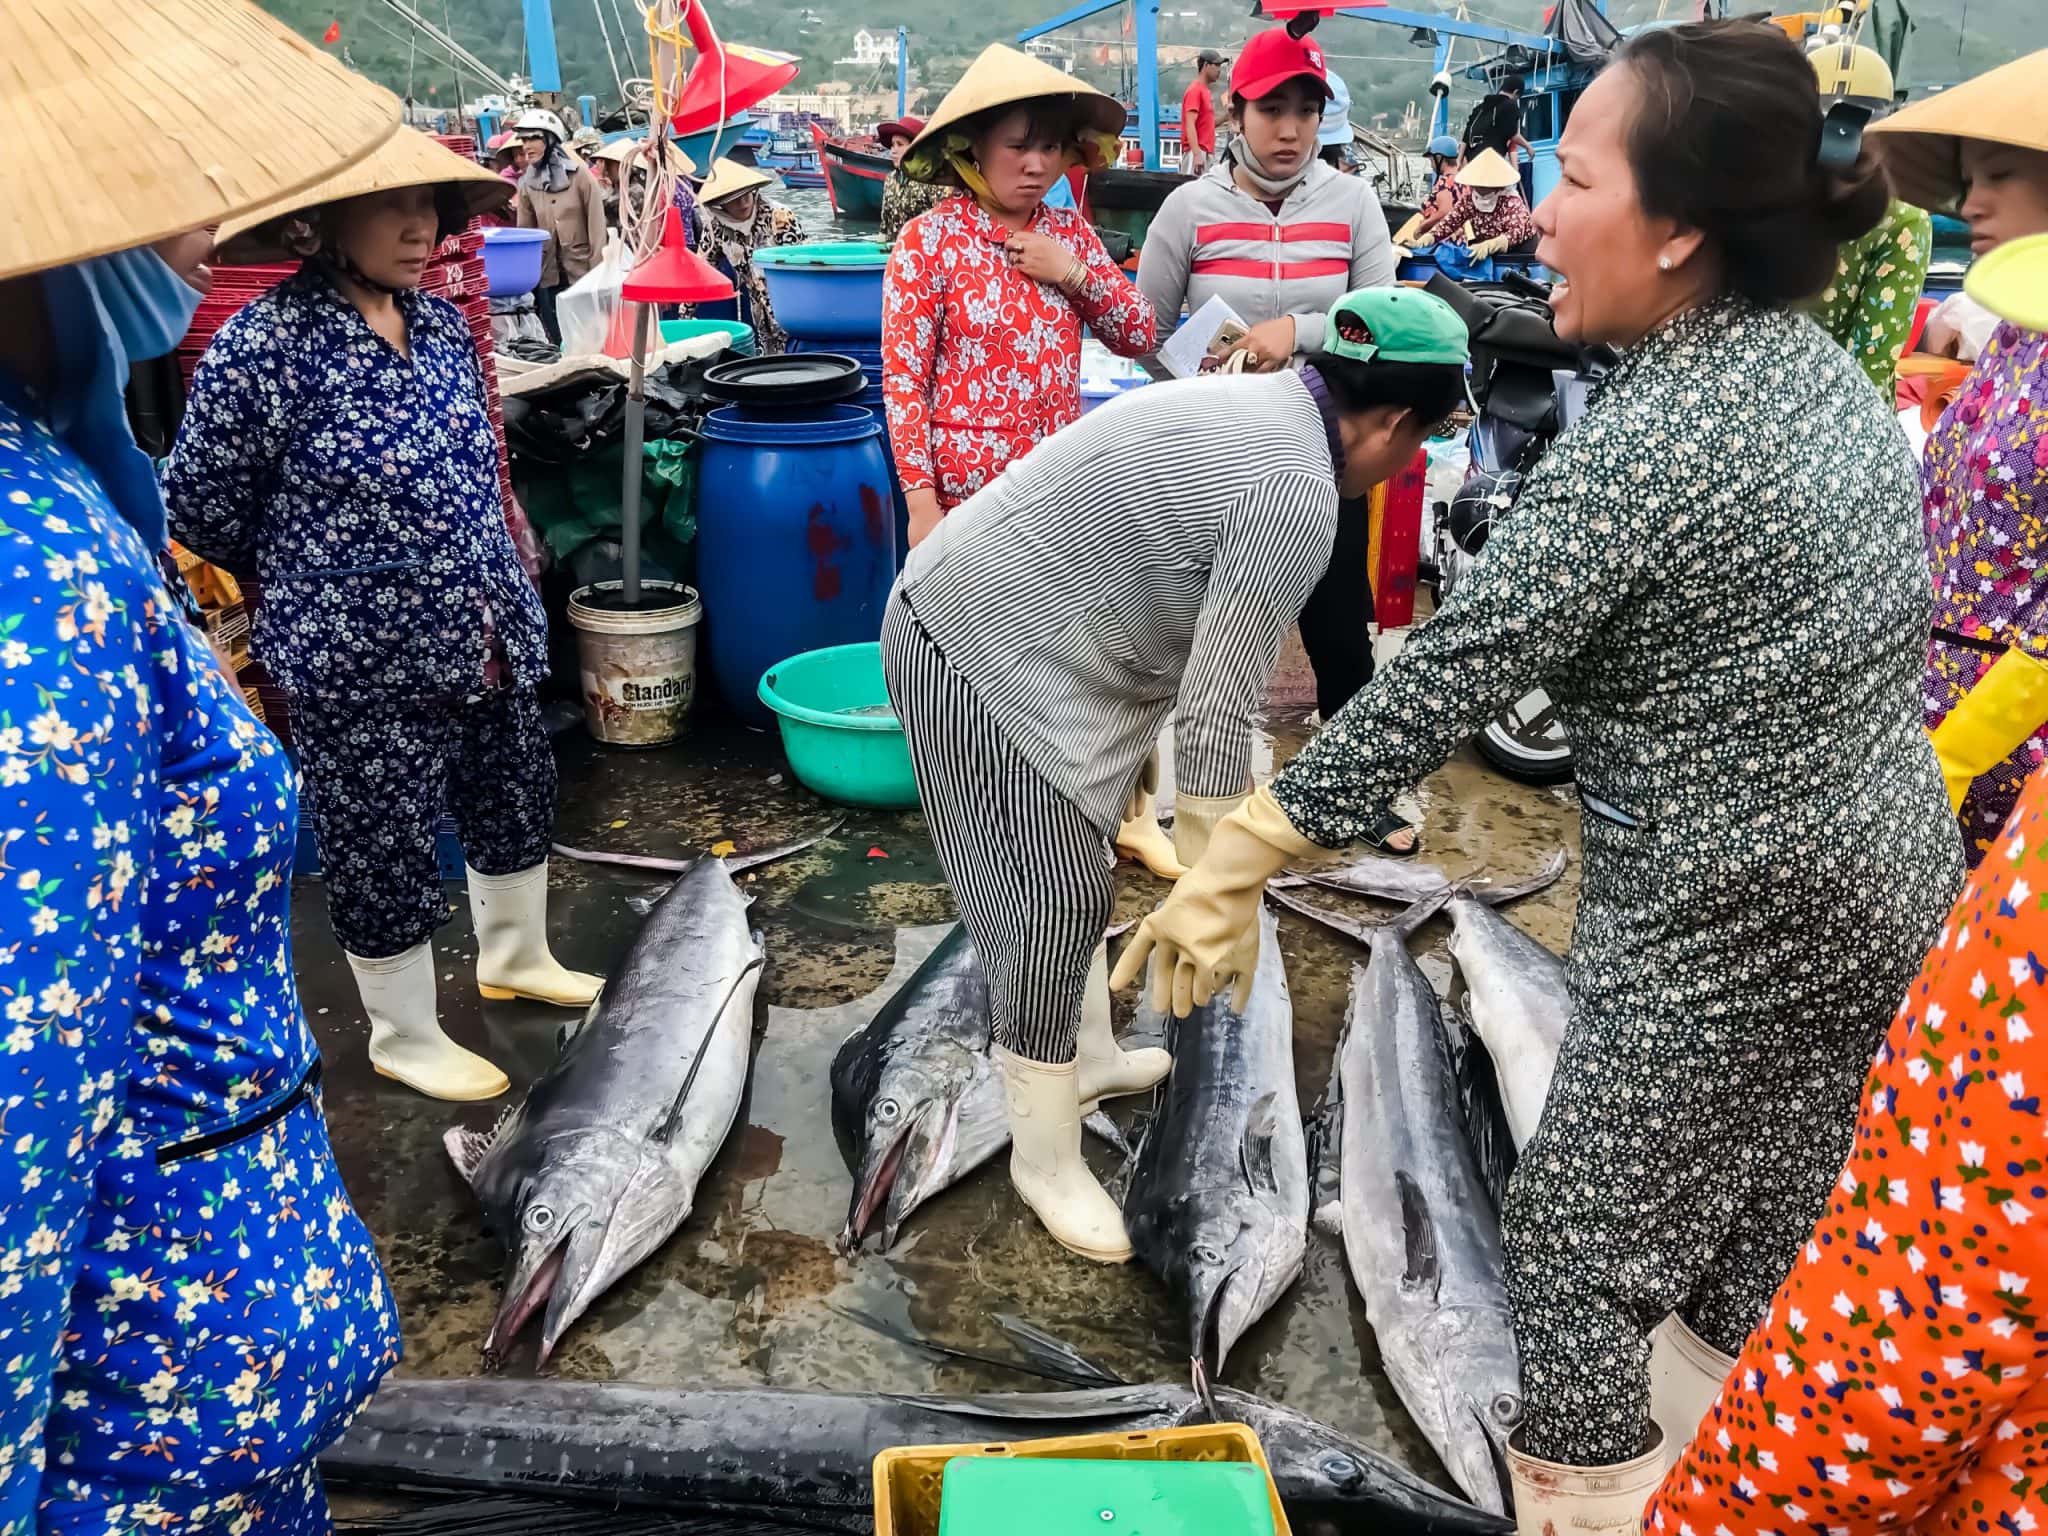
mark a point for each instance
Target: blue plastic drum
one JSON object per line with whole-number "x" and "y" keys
{"x": 870, "y": 360}
{"x": 796, "y": 539}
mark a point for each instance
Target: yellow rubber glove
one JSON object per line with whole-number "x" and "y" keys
{"x": 1410, "y": 230}
{"x": 1194, "y": 823}
{"x": 2009, "y": 704}
{"x": 1486, "y": 248}
{"x": 1207, "y": 933}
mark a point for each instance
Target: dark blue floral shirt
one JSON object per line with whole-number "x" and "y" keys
{"x": 364, "y": 486}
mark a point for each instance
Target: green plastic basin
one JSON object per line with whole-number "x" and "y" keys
{"x": 742, "y": 334}
{"x": 860, "y": 255}
{"x": 837, "y": 751}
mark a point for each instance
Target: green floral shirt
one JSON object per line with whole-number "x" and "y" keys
{"x": 904, "y": 199}
{"x": 1869, "y": 306}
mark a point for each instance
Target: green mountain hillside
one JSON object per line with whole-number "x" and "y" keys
{"x": 1951, "y": 40}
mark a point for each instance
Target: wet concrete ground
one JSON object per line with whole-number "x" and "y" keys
{"x": 748, "y": 1292}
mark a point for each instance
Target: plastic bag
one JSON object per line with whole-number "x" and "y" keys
{"x": 1456, "y": 263}
{"x": 594, "y": 319}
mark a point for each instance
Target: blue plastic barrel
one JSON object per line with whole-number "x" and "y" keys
{"x": 796, "y": 539}
{"x": 870, "y": 360}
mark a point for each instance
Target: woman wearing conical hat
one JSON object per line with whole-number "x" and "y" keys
{"x": 987, "y": 294}
{"x": 1981, "y": 149}
{"x": 339, "y": 440}
{"x": 193, "y": 1310}
{"x": 1488, "y": 213}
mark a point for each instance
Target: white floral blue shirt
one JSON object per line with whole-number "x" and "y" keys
{"x": 364, "y": 486}
{"x": 189, "y": 1306}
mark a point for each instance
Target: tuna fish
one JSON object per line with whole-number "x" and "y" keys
{"x": 807, "y": 1457}
{"x": 1518, "y": 1000}
{"x": 917, "y": 1100}
{"x": 1217, "y": 1204}
{"x": 1420, "y": 1234}
{"x": 600, "y": 1164}
{"x": 1401, "y": 880}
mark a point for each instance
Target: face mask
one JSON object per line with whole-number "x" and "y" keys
{"x": 1486, "y": 202}
{"x": 148, "y": 305}
{"x": 103, "y": 313}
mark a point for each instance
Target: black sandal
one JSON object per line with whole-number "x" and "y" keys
{"x": 1391, "y": 824}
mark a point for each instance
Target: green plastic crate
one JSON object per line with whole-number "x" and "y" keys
{"x": 1013, "y": 1496}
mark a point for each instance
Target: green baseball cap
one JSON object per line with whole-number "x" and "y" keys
{"x": 1396, "y": 325}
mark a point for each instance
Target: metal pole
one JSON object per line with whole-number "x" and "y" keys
{"x": 1146, "y": 40}
{"x": 636, "y": 436}
{"x": 902, "y": 70}
{"x": 1440, "y": 107}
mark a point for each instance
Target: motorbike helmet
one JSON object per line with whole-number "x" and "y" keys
{"x": 1444, "y": 146}
{"x": 540, "y": 120}
{"x": 1486, "y": 495}
{"x": 1848, "y": 70}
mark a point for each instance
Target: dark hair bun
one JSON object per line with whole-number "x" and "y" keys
{"x": 1728, "y": 143}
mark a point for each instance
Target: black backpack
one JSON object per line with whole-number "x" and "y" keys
{"x": 1493, "y": 123}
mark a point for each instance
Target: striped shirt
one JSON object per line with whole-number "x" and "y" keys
{"x": 1155, "y": 551}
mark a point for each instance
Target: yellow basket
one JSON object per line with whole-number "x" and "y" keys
{"x": 908, "y": 1477}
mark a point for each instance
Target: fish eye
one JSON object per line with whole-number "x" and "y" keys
{"x": 888, "y": 1111}
{"x": 1507, "y": 1409}
{"x": 1341, "y": 1470}
{"x": 539, "y": 1218}
{"x": 1207, "y": 1254}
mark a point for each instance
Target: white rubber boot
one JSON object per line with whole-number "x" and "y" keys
{"x": 1686, "y": 1373}
{"x": 512, "y": 954}
{"x": 1104, "y": 1069}
{"x": 406, "y": 1041}
{"x": 1046, "y": 1165}
{"x": 1552, "y": 1499}
{"x": 1140, "y": 836}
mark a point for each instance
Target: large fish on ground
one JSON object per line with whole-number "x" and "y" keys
{"x": 1518, "y": 1001}
{"x": 1217, "y": 1204}
{"x": 807, "y": 1457}
{"x": 917, "y": 1099}
{"x": 1401, "y": 880}
{"x": 600, "y": 1164}
{"x": 1420, "y": 1235}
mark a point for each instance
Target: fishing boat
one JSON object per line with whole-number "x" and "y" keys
{"x": 854, "y": 171}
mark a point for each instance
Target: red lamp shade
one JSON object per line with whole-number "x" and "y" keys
{"x": 675, "y": 274}
{"x": 727, "y": 79}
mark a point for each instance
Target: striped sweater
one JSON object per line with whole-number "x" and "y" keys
{"x": 1154, "y": 551}
{"x": 1211, "y": 237}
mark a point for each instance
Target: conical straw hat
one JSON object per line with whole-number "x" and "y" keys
{"x": 1922, "y": 143}
{"x": 1003, "y": 77}
{"x": 1489, "y": 171}
{"x": 125, "y": 124}
{"x": 407, "y": 159}
{"x": 619, "y": 150}
{"x": 729, "y": 178}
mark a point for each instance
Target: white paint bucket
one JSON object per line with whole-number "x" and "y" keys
{"x": 639, "y": 667}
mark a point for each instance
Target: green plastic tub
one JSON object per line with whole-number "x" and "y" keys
{"x": 838, "y": 731}
{"x": 742, "y": 334}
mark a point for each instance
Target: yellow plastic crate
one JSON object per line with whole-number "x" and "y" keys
{"x": 908, "y": 1477}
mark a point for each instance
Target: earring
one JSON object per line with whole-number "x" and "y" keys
{"x": 1663, "y": 263}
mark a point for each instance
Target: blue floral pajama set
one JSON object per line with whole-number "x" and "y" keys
{"x": 190, "y": 1309}
{"x": 395, "y": 613}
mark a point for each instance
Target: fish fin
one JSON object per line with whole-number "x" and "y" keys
{"x": 1500, "y": 895}
{"x": 735, "y": 863}
{"x": 1418, "y": 1232}
{"x": 1039, "y": 1344}
{"x": 1405, "y": 923}
{"x": 1045, "y": 1368}
{"x": 1323, "y": 1132}
{"x": 1105, "y": 1403}
{"x": 1105, "y": 1129}
{"x": 466, "y": 1148}
{"x": 665, "y": 1132}
{"x": 1255, "y": 1151}
{"x": 1479, "y": 1104}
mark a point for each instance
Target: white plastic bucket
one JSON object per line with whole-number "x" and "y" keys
{"x": 639, "y": 668}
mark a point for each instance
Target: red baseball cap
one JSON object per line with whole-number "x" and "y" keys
{"x": 1273, "y": 58}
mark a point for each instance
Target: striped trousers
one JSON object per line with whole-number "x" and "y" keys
{"x": 1030, "y": 873}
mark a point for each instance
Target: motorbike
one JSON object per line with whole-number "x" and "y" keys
{"x": 1528, "y": 384}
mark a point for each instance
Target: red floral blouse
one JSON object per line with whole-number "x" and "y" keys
{"x": 979, "y": 362}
